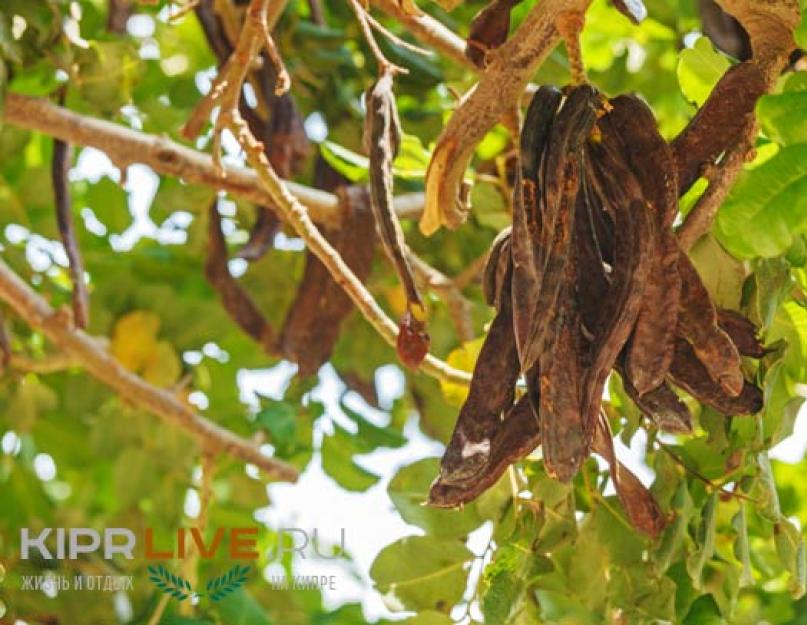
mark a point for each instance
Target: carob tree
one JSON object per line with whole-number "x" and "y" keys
{"x": 606, "y": 284}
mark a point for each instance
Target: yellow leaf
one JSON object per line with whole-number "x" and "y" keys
{"x": 162, "y": 367}
{"x": 135, "y": 339}
{"x": 464, "y": 358}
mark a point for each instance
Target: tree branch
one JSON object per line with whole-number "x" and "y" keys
{"x": 99, "y": 363}
{"x": 770, "y": 26}
{"x": 428, "y": 30}
{"x": 499, "y": 89}
{"x": 125, "y": 147}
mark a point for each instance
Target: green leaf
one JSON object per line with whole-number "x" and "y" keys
{"x": 699, "y": 69}
{"x": 351, "y": 165}
{"x": 110, "y": 203}
{"x": 241, "y": 608}
{"x": 782, "y": 116}
{"x": 422, "y": 572}
{"x": 280, "y": 420}
{"x": 767, "y": 207}
{"x": 704, "y": 612}
{"x": 338, "y": 451}
{"x": 428, "y": 617}
{"x": 371, "y": 436}
{"x": 409, "y": 489}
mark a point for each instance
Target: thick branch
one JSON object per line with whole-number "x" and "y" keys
{"x": 499, "y": 89}
{"x": 87, "y": 351}
{"x": 125, "y": 146}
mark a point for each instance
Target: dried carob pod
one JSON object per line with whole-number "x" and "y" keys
{"x": 314, "y": 319}
{"x": 688, "y": 372}
{"x": 697, "y": 323}
{"x": 489, "y": 30}
{"x": 743, "y": 333}
{"x": 642, "y": 510}
{"x": 60, "y": 168}
{"x": 492, "y": 388}
{"x": 234, "y": 298}
{"x": 382, "y": 137}
{"x": 649, "y": 354}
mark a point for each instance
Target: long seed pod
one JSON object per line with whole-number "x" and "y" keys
{"x": 615, "y": 186}
{"x": 688, "y": 372}
{"x": 515, "y": 437}
{"x": 651, "y": 160}
{"x": 314, "y": 319}
{"x": 382, "y": 137}
{"x": 234, "y": 298}
{"x": 697, "y": 323}
{"x": 490, "y": 395}
{"x": 557, "y": 198}
{"x": 60, "y": 168}
{"x": 527, "y": 212}
{"x": 743, "y": 333}
{"x": 642, "y": 510}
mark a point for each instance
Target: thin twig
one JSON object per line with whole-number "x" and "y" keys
{"x": 99, "y": 363}
{"x": 395, "y": 38}
{"x": 721, "y": 489}
{"x": 384, "y": 65}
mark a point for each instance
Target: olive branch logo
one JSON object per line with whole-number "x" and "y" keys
{"x": 180, "y": 588}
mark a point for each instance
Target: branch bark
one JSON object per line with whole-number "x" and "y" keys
{"x": 770, "y": 26}
{"x": 499, "y": 89}
{"x": 125, "y": 146}
{"x": 99, "y": 363}
{"x": 430, "y": 31}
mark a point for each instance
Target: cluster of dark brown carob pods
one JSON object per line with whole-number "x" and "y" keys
{"x": 590, "y": 279}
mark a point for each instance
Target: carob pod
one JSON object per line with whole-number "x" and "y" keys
{"x": 697, "y": 323}
{"x": 639, "y": 504}
{"x": 526, "y": 281}
{"x": 616, "y": 187}
{"x": 651, "y": 347}
{"x": 514, "y": 439}
{"x": 489, "y": 30}
{"x": 382, "y": 139}
{"x": 743, "y": 333}
{"x": 688, "y": 372}
{"x": 234, "y": 298}
{"x": 313, "y": 321}
{"x": 661, "y": 405}
{"x": 536, "y": 307}
{"x": 491, "y": 393}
